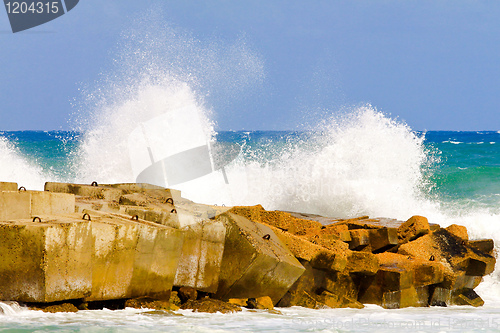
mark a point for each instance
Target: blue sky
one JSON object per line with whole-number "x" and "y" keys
{"x": 433, "y": 64}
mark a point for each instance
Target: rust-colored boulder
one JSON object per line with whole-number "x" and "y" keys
{"x": 210, "y": 305}
{"x": 483, "y": 245}
{"x": 442, "y": 245}
{"x": 458, "y": 230}
{"x": 362, "y": 262}
{"x": 415, "y": 227}
{"x": 150, "y": 303}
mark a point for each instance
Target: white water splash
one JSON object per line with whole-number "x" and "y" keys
{"x": 14, "y": 167}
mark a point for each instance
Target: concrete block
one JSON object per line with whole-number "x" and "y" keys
{"x": 442, "y": 245}
{"x": 330, "y": 261}
{"x": 413, "y": 228}
{"x": 360, "y": 238}
{"x": 201, "y": 256}
{"x": 132, "y": 258}
{"x": 483, "y": 245}
{"x": 45, "y": 261}
{"x": 94, "y": 192}
{"x": 156, "y": 260}
{"x": 409, "y": 297}
{"x": 362, "y": 262}
{"x": 15, "y": 205}
{"x": 382, "y": 239}
{"x": 425, "y": 272}
{"x": 340, "y": 230}
{"x": 155, "y": 215}
{"x": 7, "y": 186}
{"x": 440, "y": 297}
{"x": 298, "y": 246}
{"x": 458, "y": 230}
{"x": 48, "y": 203}
{"x": 255, "y": 262}
{"x": 278, "y": 219}
{"x": 467, "y": 297}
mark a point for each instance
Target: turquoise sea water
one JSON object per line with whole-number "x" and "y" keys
{"x": 466, "y": 168}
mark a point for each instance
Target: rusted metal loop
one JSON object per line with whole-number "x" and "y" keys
{"x": 135, "y": 217}
{"x": 37, "y": 218}
{"x": 173, "y": 211}
{"x": 170, "y": 201}
{"x": 432, "y": 258}
{"x": 22, "y": 188}
{"x": 83, "y": 217}
{"x": 94, "y": 183}
{"x": 267, "y": 237}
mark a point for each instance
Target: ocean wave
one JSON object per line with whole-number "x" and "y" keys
{"x": 15, "y": 167}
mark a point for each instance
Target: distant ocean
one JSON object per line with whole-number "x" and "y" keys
{"x": 362, "y": 164}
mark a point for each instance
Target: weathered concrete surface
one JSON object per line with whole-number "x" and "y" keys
{"x": 8, "y": 186}
{"x": 26, "y": 204}
{"x": 201, "y": 256}
{"x": 255, "y": 262}
{"x": 15, "y": 205}
{"x": 48, "y": 203}
{"x": 94, "y": 192}
{"x": 45, "y": 261}
{"x": 132, "y": 258}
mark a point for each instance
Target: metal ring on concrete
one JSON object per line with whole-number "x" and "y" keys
{"x": 94, "y": 183}
{"x": 135, "y": 217}
{"x": 37, "y": 218}
{"x": 173, "y": 211}
{"x": 22, "y": 188}
{"x": 267, "y": 237}
{"x": 170, "y": 201}
{"x": 432, "y": 258}
{"x": 83, "y": 217}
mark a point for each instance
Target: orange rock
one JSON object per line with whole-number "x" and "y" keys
{"x": 362, "y": 262}
{"x": 459, "y": 231}
{"x": 483, "y": 245}
{"x": 441, "y": 246}
{"x": 413, "y": 228}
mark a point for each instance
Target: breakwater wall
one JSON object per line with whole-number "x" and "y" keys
{"x": 94, "y": 243}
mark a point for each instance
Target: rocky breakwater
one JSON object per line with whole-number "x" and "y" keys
{"x": 380, "y": 261}
{"x": 89, "y": 246}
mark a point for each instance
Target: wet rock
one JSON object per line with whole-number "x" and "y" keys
{"x": 467, "y": 297}
{"x": 64, "y": 307}
{"x": 260, "y": 303}
{"x": 187, "y": 293}
{"x": 210, "y": 305}
{"x": 174, "y": 299}
{"x": 149, "y": 303}
{"x": 242, "y": 302}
